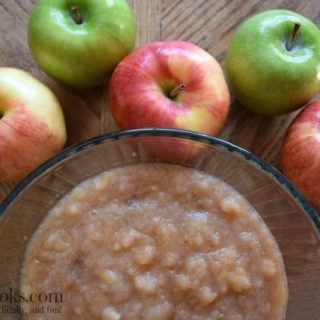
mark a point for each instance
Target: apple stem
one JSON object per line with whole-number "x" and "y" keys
{"x": 292, "y": 40}
{"x": 75, "y": 13}
{"x": 176, "y": 90}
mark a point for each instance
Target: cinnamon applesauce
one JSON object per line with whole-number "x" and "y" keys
{"x": 156, "y": 242}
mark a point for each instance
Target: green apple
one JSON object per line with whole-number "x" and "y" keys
{"x": 79, "y": 42}
{"x": 273, "y": 62}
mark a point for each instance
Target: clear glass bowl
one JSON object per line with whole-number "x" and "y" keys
{"x": 293, "y": 222}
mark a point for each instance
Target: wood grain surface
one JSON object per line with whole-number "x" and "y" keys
{"x": 207, "y": 23}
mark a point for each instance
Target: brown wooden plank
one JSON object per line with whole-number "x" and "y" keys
{"x": 207, "y": 23}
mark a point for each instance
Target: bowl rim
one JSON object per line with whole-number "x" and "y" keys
{"x": 165, "y": 132}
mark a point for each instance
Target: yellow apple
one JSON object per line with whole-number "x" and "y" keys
{"x": 32, "y": 125}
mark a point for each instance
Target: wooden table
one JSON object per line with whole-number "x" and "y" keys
{"x": 207, "y": 23}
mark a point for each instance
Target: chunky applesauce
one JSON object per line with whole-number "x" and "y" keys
{"x": 156, "y": 242}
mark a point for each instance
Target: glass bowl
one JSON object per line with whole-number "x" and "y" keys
{"x": 293, "y": 222}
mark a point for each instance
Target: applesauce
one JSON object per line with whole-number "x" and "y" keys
{"x": 156, "y": 242}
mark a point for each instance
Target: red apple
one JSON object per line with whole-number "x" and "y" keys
{"x": 32, "y": 126}
{"x": 300, "y": 152}
{"x": 172, "y": 84}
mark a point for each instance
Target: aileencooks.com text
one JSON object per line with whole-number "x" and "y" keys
{"x": 13, "y": 296}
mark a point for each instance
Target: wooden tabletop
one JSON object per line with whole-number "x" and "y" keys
{"x": 207, "y": 23}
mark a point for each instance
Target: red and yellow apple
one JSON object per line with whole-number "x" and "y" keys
{"x": 172, "y": 84}
{"x": 32, "y": 126}
{"x": 300, "y": 152}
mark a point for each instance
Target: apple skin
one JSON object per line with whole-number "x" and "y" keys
{"x": 32, "y": 126}
{"x": 263, "y": 75}
{"x": 138, "y": 93}
{"x": 80, "y": 55}
{"x": 300, "y": 152}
